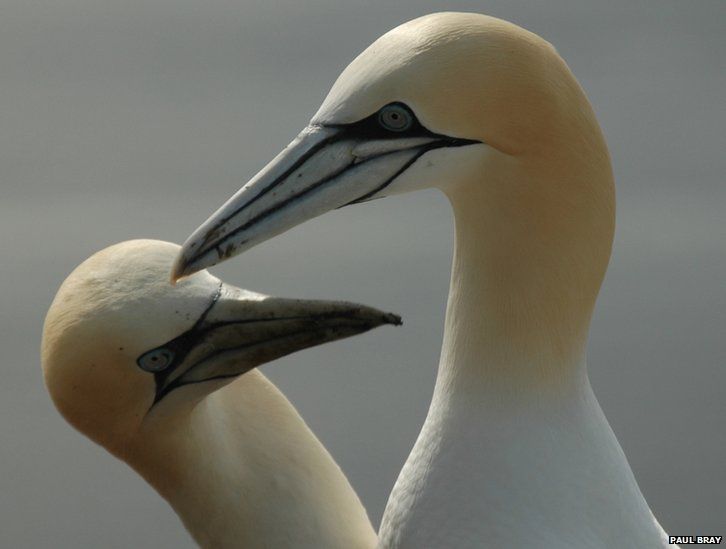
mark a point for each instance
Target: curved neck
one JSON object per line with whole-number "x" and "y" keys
{"x": 531, "y": 250}
{"x": 515, "y": 449}
{"x": 242, "y": 469}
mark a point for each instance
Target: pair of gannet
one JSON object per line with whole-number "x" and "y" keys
{"x": 153, "y": 372}
{"x": 515, "y": 450}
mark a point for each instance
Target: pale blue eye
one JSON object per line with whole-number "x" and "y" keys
{"x": 395, "y": 118}
{"x": 155, "y": 360}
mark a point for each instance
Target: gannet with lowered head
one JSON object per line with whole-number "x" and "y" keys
{"x": 515, "y": 450}
{"x": 153, "y": 372}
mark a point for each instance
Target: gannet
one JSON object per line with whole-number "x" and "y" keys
{"x": 515, "y": 450}
{"x": 153, "y": 372}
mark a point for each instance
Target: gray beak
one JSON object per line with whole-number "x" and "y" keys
{"x": 241, "y": 330}
{"x": 324, "y": 168}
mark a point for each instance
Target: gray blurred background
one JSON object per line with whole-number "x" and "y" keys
{"x": 136, "y": 119}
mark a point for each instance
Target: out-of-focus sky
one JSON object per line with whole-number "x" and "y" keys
{"x": 136, "y": 119}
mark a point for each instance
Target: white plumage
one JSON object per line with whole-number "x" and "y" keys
{"x": 515, "y": 450}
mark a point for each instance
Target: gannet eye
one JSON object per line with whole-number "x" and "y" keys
{"x": 395, "y": 118}
{"x": 155, "y": 360}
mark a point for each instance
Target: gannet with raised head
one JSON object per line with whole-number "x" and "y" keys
{"x": 515, "y": 450}
{"x": 153, "y": 372}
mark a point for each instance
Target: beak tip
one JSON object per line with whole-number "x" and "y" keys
{"x": 393, "y": 319}
{"x": 180, "y": 269}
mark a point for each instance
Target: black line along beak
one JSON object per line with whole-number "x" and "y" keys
{"x": 324, "y": 168}
{"x": 241, "y": 330}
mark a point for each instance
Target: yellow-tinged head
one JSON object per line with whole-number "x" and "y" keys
{"x": 121, "y": 344}
{"x": 476, "y": 106}
{"x": 464, "y": 75}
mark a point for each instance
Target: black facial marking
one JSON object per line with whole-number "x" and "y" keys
{"x": 384, "y": 124}
{"x": 390, "y": 180}
{"x": 381, "y": 125}
{"x": 300, "y": 161}
{"x": 176, "y": 350}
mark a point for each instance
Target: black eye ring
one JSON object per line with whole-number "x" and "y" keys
{"x": 156, "y": 360}
{"x": 395, "y": 118}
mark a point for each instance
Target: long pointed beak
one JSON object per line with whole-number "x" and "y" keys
{"x": 242, "y": 330}
{"x": 322, "y": 169}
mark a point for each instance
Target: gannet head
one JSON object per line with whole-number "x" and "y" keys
{"x": 442, "y": 100}
{"x": 121, "y": 344}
